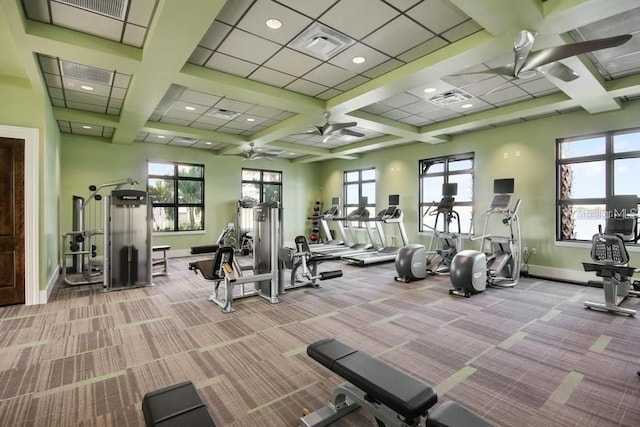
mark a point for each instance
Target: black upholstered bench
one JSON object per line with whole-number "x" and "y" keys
{"x": 177, "y": 405}
{"x": 393, "y": 397}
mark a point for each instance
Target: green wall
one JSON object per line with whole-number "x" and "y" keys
{"x": 525, "y": 151}
{"x": 86, "y": 161}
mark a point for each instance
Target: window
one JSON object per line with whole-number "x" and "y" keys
{"x": 589, "y": 171}
{"x": 261, "y": 186}
{"x": 177, "y": 194}
{"x": 446, "y": 170}
{"x": 358, "y": 184}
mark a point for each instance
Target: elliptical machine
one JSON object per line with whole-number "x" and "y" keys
{"x": 415, "y": 261}
{"x": 498, "y": 261}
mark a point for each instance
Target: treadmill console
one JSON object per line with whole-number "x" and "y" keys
{"x": 391, "y": 212}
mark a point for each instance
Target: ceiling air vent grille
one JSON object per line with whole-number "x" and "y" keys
{"x": 86, "y": 73}
{"x": 112, "y": 8}
{"x": 185, "y": 140}
{"x": 222, "y": 114}
{"x": 450, "y": 97}
{"x": 321, "y": 42}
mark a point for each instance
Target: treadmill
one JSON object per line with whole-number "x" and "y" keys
{"x": 392, "y": 215}
{"x": 359, "y": 214}
{"x": 328, "y": 215}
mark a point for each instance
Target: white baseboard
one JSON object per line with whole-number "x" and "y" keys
{"x": 46, "y": 293}
{"x": 561, "y": 274}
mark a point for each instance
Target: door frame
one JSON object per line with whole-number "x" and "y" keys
{"x": 31, "y": 137}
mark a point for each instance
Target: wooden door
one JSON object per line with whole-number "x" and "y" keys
{"x": 12, "y": 256}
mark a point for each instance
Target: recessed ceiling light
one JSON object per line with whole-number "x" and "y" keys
{"x": 251, "y": 119}
{"x": 430, "y": 90}
{"x": 189, "y": 108}
{"x": 358, "y": 60}
{"x": 208, "y": 142}
{"x": 161, "y": 136}
{"x": 273, "y": 23}
{"x": 465, "y": 106}
{"x": 86, "y": 127}
{"x": 85, "y": 87}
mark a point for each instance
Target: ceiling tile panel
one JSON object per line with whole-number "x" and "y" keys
{"x": 292, "y": 62}
{"x": 214, "y": 36}
{"x": 49, "y": 64}
{"x": 37, "y": 9}
{"x": 461, "y": 31}
{"x": 328, "y": 75}
{"x": 134, "y": 35}
{"x": 437, "y": 15}
{"x": 306, "y": 87}
{"x": 86, "y": 98}
{"x": 121, "y": 80}
{"x": 249, "y": 47}
{"x": 398, "y": 36}
{"x": 231, "y": 65}
{"x": 264, "y": 112}
{"x": 173, "y": 121}
{"x": 271, "y": 77}
{"x": 400, "y": 100}
{"x": 537, "y": 86}
{"x": 187, "y": 108}
{"x": 233, "y": 105}
{"x": 423, "y": 49}
{"x": 141, "y": 11}
{"x": 347, "y": 17}
{"x": 200, "y": 56}
{"x": 377, "y": 108}
{"x": 345, "y": 58}
{"x": 232, "y": 11}
{"x": 395, "y": 114}
{"x": 403, "y": 5}
{"x": 328, "y": 94}
{"x": 76, "y": 84}
{"x": 383, "y": 68}
{"x": 53, "y": 80}
{"x": 416, "y": 121}
{"x": 85, "y": 21}
{"x": 292, "y": 22}
{"x": 200, "y": 98}
{"x": 351, "y": 83}
{"x": 311, "y": 8}
{"x": 506, "y": 96}
{"x": 85, "y": 107}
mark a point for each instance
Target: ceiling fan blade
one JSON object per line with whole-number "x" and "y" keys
{"x": 505, "y": 70}
{"x": 521, "y": 48}
{"x": 559, "y": 71}
{"x": 333, "y": 127}
{"x": 500, "y": 86}
{"x": 552, "y": 54}
{"x": 349, "y": 132}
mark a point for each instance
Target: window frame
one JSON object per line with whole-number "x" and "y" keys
{"x": 346, "y": 205}
{"x": 261, "y": 183}
{"x": 176, "y": 204}
{"x": 608, "y": 157}
{"x": 423, "y": 167}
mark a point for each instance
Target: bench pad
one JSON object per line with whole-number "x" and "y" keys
{"x": 403, "y": 394}
{"x": 452, "y": 414}
{"x": 177, "y": 405}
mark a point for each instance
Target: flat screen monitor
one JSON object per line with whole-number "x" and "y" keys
{"x": 504, "y": 186}
{"x": 335, "y": 201}
{"x": 450, "y": 189}
{"x": 394, "y": 199}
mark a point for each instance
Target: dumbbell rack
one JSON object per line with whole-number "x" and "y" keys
{"x": 314, "y": 236}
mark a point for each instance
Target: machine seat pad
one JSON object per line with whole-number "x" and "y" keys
{"x": 381, "y": 382}
{"x": 603, "y": 269}
{"x": 452, "y": 414}
{"x": 206, "y": 269}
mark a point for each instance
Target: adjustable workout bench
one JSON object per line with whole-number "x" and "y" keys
{"x": 391, "y": 396}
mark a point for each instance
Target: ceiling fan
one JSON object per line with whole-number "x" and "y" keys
{"x": 528, "y": 64}
{"x": 331, "y": 129}
{"x": 254, "y": 153}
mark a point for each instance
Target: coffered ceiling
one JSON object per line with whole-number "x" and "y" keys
{"x": 214, "y": 75}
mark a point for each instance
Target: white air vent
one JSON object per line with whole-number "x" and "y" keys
{"x": 185, "y": 140}
{"x": 321, "y": 42}
{"x": 450, "y": 97}
{"x": 86, "y": 73}
{"x": 112, "y": 8}
{"x": 222, "y": 114}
